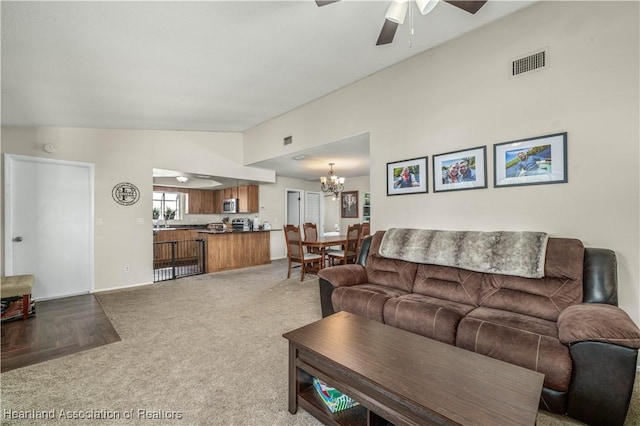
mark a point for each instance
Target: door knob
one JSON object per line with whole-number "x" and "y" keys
{"x": 17, "y": 239}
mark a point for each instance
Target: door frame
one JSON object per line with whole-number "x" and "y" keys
{"x": 301, "y": 199}
{"x": 9, "y": 160}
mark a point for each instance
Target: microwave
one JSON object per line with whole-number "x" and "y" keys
{"x": 230, "y": 205}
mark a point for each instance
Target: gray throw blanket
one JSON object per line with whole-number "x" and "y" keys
{"x": 507, "y": 253}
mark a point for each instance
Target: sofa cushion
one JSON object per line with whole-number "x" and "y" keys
{"x": 564, "y": 259}
{"x": 388, "y": 272}
{"x": 544, "y": 297}
{"x": 518, "y": 339}
{"x": 444, "y": 282}
{"x": 366, "y": 300}
{"x": 428, "y": 316}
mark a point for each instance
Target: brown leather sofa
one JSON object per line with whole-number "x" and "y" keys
{"x": 566, "y": 324}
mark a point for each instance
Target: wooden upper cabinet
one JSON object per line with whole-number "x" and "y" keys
{"x": 194, "y": 202}
{"x": 248, "y": 199}
{"x": 207, "y": 202}
{"x": 201, "y": 201}
{"x": 228, "y": 193}
{"x": 217, "y": 201}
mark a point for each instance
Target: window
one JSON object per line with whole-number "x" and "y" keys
{"x": 169, "y": 204}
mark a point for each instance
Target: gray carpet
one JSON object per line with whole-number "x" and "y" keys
{"x": 207, "y": 349}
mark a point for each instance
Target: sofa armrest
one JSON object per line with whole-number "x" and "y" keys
{"x": 338, "y": 276}
{"x": 344, "y": 275}
{"x": 597, "y": 322}
{"x": 602, "y": 381}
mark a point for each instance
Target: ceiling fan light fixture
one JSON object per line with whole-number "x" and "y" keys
{"x": 397, "y": 11}
{"x": 182, "y": 179}
{"x": 426, "y": 6}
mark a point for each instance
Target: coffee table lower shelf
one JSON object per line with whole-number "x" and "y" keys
{"x": 311, "y": 402}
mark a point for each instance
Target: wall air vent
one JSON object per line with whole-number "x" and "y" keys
{"x": 534, "y": 62}
{"x": 288, "y": 140}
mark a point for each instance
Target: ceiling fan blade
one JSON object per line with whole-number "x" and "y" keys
{"x": 471, "y": 6}
{"x": 325, "y": 2}
{"x": 387, "y": 33}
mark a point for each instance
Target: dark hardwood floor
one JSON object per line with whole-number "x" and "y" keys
{"x": 60, "y": 327}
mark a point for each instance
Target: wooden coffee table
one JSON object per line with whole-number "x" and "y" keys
{"x": 404, "y": 378}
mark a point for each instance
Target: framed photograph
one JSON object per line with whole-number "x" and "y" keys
{"x": 349, "y": 204}
{"x": 534, "y": 161}
{"x": 466, "y": 169}
{"x": 407, "y": 177}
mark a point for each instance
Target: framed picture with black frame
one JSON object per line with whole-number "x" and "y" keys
{"x": 457, "y": 170}
{"x": 407, "y": 177}
{"x": 349, "y": 205}
{"x": 534, "y": 161}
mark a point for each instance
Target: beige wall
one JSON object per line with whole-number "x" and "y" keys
{"x": 460, "y": 96}
{"x": 130, "y": 156}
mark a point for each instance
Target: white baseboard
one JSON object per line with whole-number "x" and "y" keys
{"x": 122, "y": 287}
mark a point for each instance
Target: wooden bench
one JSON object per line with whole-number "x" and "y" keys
{"x": 16, "y": 286}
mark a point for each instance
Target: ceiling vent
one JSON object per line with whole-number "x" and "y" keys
{"x": 288, "y": 140}
{"x": 533, "y": 62}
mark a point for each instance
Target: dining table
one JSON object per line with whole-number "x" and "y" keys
{"x": 323, "y": 242}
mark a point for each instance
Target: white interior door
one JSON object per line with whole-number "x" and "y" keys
{"x": 293, "y": 207}
{"x": 312, "y": 209}
{"x": 49, "y": 224}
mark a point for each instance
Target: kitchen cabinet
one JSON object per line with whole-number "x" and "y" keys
{"x": 217, "y": 202}
{"x": 247, "y": 195}
{"x": 233, "y": 250}
{"x": 248, "y": 199}
{"x": 201, "y": 201}
{"x": 231, "y": 192}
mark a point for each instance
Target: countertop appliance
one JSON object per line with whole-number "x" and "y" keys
{"x": 230, "y": 205}
{"x": 217, "y": 227}
{"x": 243, "y": 224}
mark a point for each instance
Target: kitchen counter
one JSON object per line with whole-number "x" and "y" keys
{"x": 236, "y": 249}
{"x": 181, "y": 227}
{"x": 235, "y": 231}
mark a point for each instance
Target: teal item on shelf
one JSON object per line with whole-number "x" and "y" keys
{"x": 333, "y": 399}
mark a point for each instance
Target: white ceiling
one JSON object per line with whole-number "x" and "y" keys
{"x": 204, "y": 65}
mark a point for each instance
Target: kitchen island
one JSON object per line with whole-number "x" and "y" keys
{"x": 236, "y": 249}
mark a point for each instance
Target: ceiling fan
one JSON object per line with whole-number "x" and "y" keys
{"x": 398, "y": 11}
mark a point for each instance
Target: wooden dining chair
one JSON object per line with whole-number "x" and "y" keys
{"x": 311, "y": 234}
{"x": 295, "y": 252}
{"x": 365, "y": 229}
{"x": 350, "y": 251}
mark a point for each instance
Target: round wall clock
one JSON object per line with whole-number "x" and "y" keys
{"x": 125, "y": 193}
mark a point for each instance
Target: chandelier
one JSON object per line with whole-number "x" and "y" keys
{"x": 332, "y": 183}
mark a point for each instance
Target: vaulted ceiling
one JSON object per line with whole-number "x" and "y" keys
{"x": 203, "y": 65}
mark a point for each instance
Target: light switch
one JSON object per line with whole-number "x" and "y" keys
{"x": 140, "y": 220}
{"x": 99, "y": 221}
